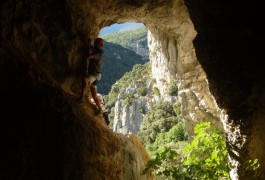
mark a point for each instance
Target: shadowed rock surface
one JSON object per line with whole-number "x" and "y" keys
{"x": 213, "y": 48}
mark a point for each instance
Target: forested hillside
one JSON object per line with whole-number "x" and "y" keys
{"x": 121, "y": 27}
{"x": 123, "y": 38}
{"x": 122, "y": 52}
{"x": 117, "y": 61}
{"x": 135, "y": 40}
{"x": 162, "y": 129}
{"x": 163, "y": 133}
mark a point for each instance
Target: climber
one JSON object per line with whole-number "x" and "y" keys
{"x": 103, "y": 108}
{"x": 93, "y": 69}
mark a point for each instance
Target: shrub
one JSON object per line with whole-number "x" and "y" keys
{"x": 177, "y": 108}
{"x": 128, "y": 99}
{"x": 142, "y": 91}
{"x": 176, "y": 134}
{"x": 172, "y": 89}
{"x": 142, "y": 110}
{"x": 138, "y": 72}
{"x": 205, "y": 157}
{"x": 160, "y": 119}
{"x": 156, "y": 91}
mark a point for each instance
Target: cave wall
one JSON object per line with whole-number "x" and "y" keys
{"x": 211, "y": 47}
{"x": 46, "y": 132}
{"x": 228, "y": 47}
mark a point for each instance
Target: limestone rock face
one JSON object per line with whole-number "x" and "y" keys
{"x": 211, "y": 47}
{"x": 160, "y": 63}
{"x": 139, "y": 49}
{"x": 128, "y": 119}
{"x": 134, "y": 157}
{"x": 129, "y": 115}
{"x": 197, "y": 102}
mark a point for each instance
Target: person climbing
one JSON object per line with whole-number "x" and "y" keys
{"x": 93, "y": 69}
{"x": 103, "y": 108}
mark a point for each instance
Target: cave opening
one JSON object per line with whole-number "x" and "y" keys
{"x": 125, "y": 46}
{"x": 226, "y": 45}
{"x": 128, "y": 115}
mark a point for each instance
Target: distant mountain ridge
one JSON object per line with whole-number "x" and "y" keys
{"x": 122, "y": 50}
{"x": 135, "y": 40}
{"x": 117, "y": 61}
{"x": 120, "y": 28}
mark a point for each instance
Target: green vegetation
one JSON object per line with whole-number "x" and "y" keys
{"x": 163, "y": 126}
{"x": 252, "y": 167}
{"x": 160, "y": 119}
{"x": 142, "y": 91}
{"x": 122, "y": 38}
{"x": 172, "y": 89}
{"x": 163, "y": 132}
{"x": 128, "y": 98}
{"x": 156, "y": 91}
{"x": 119, "y": 58}
{"x": 142, "y": 110}
{"x": 117, "y": 61}
{"x": 205, "y": 157}
{"x": 138, "y": 72}
{"x": 177, "y": 108}
{"x": 175, "y": 137}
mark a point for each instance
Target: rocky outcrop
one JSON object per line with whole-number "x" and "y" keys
{"x": 128, "y": 118}
{"x": 129, "y": 115}
{"x": 53, "y": 136}
{"x": 134, "y": 157}
{"x": 197, "y": 102}
{"x": 139, "y": 49}
{"x": 211, "y": 47}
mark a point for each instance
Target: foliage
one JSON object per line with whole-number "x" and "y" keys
{"x": 177, "y": 109}
{"x": 168, "y": 163}
{"x": 118, "y": 57}
{"x": 128, "y": 26}
{"x": 142, "y": 110}
{"x": 158, "y": 120}
{"x": 123, "y": 38}
{"x": 111, "y": 98}
{"x": 138, "y": 72}
{"x": 172, "y": 89}
{"x": 142, "y": 91}
{"x": 252, "y": 167}
{"x": 128, "y": 98}
{"x": 175, "y": 134}
{"x": 117, "y": 61}
{"x": 205, "y": 157}
{"x": 156, "y": 91}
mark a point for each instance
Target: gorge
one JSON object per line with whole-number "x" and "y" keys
{"x": 211, "y": 47}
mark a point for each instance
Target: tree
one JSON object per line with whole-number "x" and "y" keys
{"x": 160, "y": 119}
{"x": 205, "y": 157}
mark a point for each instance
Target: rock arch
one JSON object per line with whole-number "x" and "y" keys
{"x": 210, "y": 46}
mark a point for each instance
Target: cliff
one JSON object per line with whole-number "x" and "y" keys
{"x": 212, "y": 48}
{"x": 138, "y": 94}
